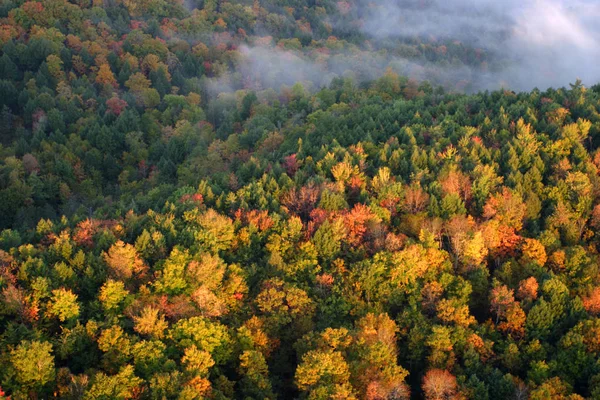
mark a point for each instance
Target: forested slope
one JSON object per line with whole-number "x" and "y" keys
{"x": 176, "y": 226}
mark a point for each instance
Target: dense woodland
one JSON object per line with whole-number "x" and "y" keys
{"x": 166, "y": 238}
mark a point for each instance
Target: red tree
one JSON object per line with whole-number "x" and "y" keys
{"x": 116, "y": 106}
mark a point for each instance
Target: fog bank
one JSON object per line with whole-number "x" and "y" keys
{"x": 546, "y": 43}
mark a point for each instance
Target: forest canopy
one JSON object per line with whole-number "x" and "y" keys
{"x": 263, "y": 199}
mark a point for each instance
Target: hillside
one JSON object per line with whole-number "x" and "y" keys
{"x": 259, "y": 200}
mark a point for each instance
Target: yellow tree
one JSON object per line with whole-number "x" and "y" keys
{"x": 150, "y": 323}
{"x": 324, "y": 374}
{"x": 124, "y": 262}
{"x": 533, "y": 252}
{"x": 105, "y": 76}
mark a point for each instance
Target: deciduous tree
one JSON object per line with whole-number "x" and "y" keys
{"x": 439, "y": 384}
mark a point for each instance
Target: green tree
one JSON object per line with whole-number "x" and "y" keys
{"x": 255, "y": 375}
{"x": 63, "y": 305}
{"x": 324, "y": 374}
{"x": 208, "y": 336}
{"x": 123, "y": 385}
{"x": 33, "y": 365}
{"x": 112, "y": 295}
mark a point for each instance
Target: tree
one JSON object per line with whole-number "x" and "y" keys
{"x": 515, "y": 321}
{"x": 357, "y": 221}
{"x": 123, "y": 262}
{"x": 8, "y": 69}
{"x": 115, "y": 105}
{"x": 528, "y": 289}
{"x": 324, "y": 374}
{"x": 328, "y": 237}
{"x": 301, "y": 202}
{"x": 197, "y": 362}
{"x": 553, "y": 388}
{"x": 452, "y": 311}
{"x": 207, "y": 271}
{"x": 591, "y": 302}
{"x": 63, "y": 304}
{"x": 149, "y": 357}
{"x": 123, "y": 385}
{"x": 255, "y": 375}
{"x": 216, "y": 231}
{"x": 285, "y": 306}
{"x": 457, "y": 183}
{"x": 150, "y": 98}
{"x": 150, "y": 323}
{"x": 374, "y": 367}
{"x": 289, "y": 253}
{"x": 55, "y": 66}
{"x": 116, "y": 346}
{"x": 501, "y": 299}
{"x": 138, "y": 82}
{"x": 112, "y": 294}
{"x": 541, "y": 318}
{"x": 475, "y": 250}
{"x": 33, "y": 363}
{"x": 468, "y": 245}
{"x": 171, "y": 279}
{"x": 30, "y": 163}
{"x": 439, "y": 384}
{"x": 502, "y": 240}
{"x": 413, "y": 263}
{"x": 139, "y": 86}
{"x": 415, "y": 199}
{"x": 208, "y": 336}
{"x": 507, "y": 207}
{"x": 208, "y": 302}
{"x": 105, "y": 76}
{"x": 533, "y": 252}
{"x": 291, "y": 165}
{"x": 441, "y": 347}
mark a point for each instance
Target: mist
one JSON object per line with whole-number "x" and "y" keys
{"x": 529, "y": 43}
{"x": 545, "y": 43}
{"x": 261, "y": 67}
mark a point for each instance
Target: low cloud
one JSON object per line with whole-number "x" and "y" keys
{"x": 544, "y": 42}
{"x": 529, "y": 43}
{"x": 261, "y": 68}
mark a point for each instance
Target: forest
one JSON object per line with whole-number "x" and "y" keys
{"x": 262, "y": 199}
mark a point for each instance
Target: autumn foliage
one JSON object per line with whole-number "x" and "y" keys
{"x": 262, "y": 200}
{"x": 439, "y": 385}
